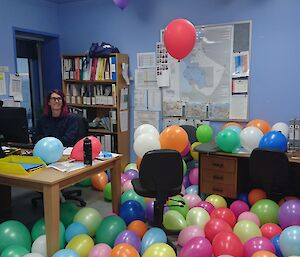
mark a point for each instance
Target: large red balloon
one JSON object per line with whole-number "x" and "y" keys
{"x": 77, "y": 151}
{"x": 227, "y": 243}
{"x": 179, "y": 38}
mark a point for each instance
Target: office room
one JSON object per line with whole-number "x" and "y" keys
{"x": 220, "y": 207}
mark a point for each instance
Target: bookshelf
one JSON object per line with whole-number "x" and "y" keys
{"x": 96, "y": 89}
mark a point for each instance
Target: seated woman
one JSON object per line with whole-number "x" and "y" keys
{"x": 57, "y": 121}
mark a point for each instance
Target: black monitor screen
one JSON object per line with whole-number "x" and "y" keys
{"x": 13, "y": 125}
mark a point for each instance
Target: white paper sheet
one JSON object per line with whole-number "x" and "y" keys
{"x": 239, "y": 86}
{"x": 10, "y": 103}
{"x": 238, "y": 107}
{"x": 125, "y": 73}
{"x": 2, "y": 84}
{"x": 124, "y": 99}
{"x": 145, "y": 78}
{"x": 146, "y": 60}
{"x": 15, "y": 87}
{"x": 146, "y": 117}
{"x": 154, "y": 99}
{"x": 140, "y": 99}
{"x": 124, "y": 120}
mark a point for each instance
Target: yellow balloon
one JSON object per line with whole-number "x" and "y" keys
{"x": 81, "y": 244}
{"x": 217, "y": 201}
{"x": 193, "y": 153}
{"x": 245, "y": 230}
{"x": 159, "y": 250}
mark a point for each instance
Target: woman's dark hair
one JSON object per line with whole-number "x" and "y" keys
{"x": 64, "y": 107}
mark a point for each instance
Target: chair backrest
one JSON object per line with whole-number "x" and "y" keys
{"x": 161, "y": 170}
{"x": 269, "y": 170}
{"x": 83, "y": 127}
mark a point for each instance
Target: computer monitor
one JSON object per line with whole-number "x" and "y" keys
{"x": 13, "y": 125}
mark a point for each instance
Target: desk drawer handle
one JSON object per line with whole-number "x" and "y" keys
{"x": 219, "y": 165}
{"x": 217, "y": 189}
{"x": 218, "y": 177}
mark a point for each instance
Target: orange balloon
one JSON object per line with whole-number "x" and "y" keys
{"x": 99, "y": 180}
{"x": 139, "y": 227}
{"x": 255, "y": 195}
{"x": 174, "y": 137}
{"x": 149, "y": 199}
{"x": 263, "y": 253}
{"x": 261, "y": 124}
{"x": 124, "y": 250}
{"x": 287, "y": 198}
{"x": 232, "y": 124}
{"x": 138, "y": 162}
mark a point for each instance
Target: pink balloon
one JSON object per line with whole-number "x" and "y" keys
{"x": 77, "y": 151}
{"x": 127, "y": 185}
{"x": 192, "y": 200}
{"x": 102, "y": 250}
{"x": 188, "y": 233}
{"x": 239, "y": 207}
{"x": 122, "y": 4}
{"x": 194, "y": 176}
{"x": 186, "y": 150}
{"x": 249, "y": 216}
{"x": 182, "y": 190}
{"x": 206, "y": 206}
{"x": 124, "y": 178}
{"x": 258, "y": 243}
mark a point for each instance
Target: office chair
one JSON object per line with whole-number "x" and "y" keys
{"x": 269, "y": 170}
{"x": 160, "y": 177}
{"x": 83, "y": 128}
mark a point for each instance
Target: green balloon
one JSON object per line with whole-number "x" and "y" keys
{"x": 266, "y": 210}
{"x": 13, "y": 232}
{"x": 14, "y": 251}
{"x": 90, "y": 218}
{"x": 39, "y": 229}
{"x": 173, "y": 220}
{"x": 67, "y": 212}
{"x": 228, "y": 140}
{"x": 132, "y": 195}
{"x": 85, "y": 183}
{"x": 184, "y": 166}
{"x": 175, "y": 204}
{"x": 204, "y": 133}
{"x": 109, "y": 229}
{"x": 246, "y": 229}
{"x": 107, "y": 192}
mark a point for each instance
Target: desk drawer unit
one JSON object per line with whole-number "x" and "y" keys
{"x": 218, "y": 175}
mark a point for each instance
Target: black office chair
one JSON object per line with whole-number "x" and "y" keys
{"x": 83, "y": 128}
{"x": 269, "y": 170}
{"x": 160, "y": 177}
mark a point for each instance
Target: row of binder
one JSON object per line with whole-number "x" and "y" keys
{"x": 108, "y": 143}
{"x": 91, "y": 94}
{"x": 85, "y": 68}
{"x": 294, "y": 134}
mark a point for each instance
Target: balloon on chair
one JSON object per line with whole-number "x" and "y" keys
{"x": 179, "y": 38}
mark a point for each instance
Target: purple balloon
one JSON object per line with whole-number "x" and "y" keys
{"x": 197, "y": 246}
{"x": 122, "y": 4}
{"x": 289, "y": 214}
{"x": 150, "y": 211}
{"x": 131, "y": 174}
{"x": 129, "y": 237}
{"x": 124, "y": 178}
{"x": 206, "y": 206}
{"x": 186, "y": 181}
{"x": 258, "y": 243}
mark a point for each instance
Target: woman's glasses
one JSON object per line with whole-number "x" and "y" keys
{"x": 55, "y": 99}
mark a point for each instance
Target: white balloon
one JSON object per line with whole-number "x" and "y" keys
{"x": 281, "y": 127}
{"x": 39, "y": 246}
{"x": 33, "y": 255}
{"x": 144, "y": 143}
{"x": 146, "y": 128}
{"x": 250, "y": 137}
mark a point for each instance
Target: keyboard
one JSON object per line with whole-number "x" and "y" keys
{"x": 21, "y": 145}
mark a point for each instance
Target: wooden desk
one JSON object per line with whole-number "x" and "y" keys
{"x": 50, "y": 182}
{"x": 228, "y": 174}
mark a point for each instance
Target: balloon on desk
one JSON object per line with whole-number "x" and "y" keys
{"x": 77, "y": 151}
{"x": 281, "y": 127}
{"x": 274, "y": 140}
{"x": 204, "y": 133}
{"x": 49, "y": 149}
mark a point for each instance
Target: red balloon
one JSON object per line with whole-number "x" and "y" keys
{"x": 179, "y": 38}
{"x": 77, "y": 151}
{"x": 227, "y": 243}
{"x": 215, "y": 226}
{"x": 269, "y": 230}
{"x": 224, "y": 214}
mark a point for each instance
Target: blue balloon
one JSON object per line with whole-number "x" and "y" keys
{"x": 235, "y": 128}
{"x": 193, "y": 189}
{"x": 75, "y": 229}
{"x": 275, "y": 242}
{"x": 152, "y": 236}
{"x": 132, "y": 210}
{"x": 274, "y": 140}
{"x": 289, "y": 241}
{"x": 66, "y": 253}
{"x": 49, "y": 149}
{"x": 243, "y": 197}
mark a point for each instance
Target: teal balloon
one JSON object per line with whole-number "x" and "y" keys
{"x": 85, "y": 183}
{"x": 109, "y": 229}
{"x": 13, "y": 232}
{"x": 132, "y": 195}
{"x": 14, "y": 251}
{"x": 39, "y": 229}
{"x": 66, "y": 253}
{"x": 204, "y": 133}
{"x": 67, "y": 212}
{"x": 153, "y": 236}
{"x": 176, "y": 205}
{"x": 289, "y": 241}
{"x": 173, "y": 220}
{"x": 228, "y": 140}
{"x": 107, "y": 192}
{"x": 266, "y": 210}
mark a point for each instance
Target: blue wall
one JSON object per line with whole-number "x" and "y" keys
{"x": 274, "y": 91}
